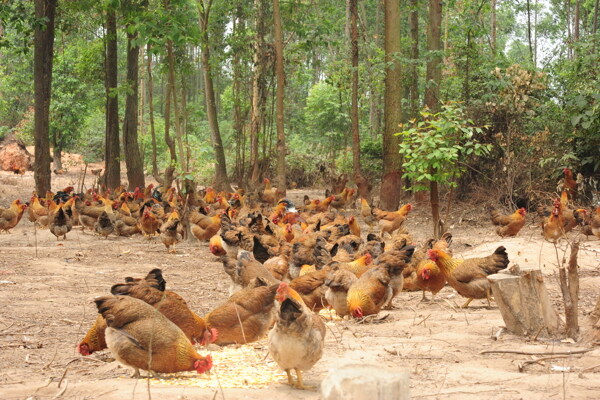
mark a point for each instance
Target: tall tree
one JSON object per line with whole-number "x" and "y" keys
{"x": 221, "y": 179}
{"x": 45, "y": 11}
{"x": 391, "y": 180}
{"x": 353, "y": 39}
{"x": 133, "y": 156}
{"x": 112, "y": 151}
{"x": 414, "y": 56}
{"x": 492, "y": 27}
{"x": 280, "y": 94}
{"x": 432, "y": 90}
{"x": 151, "y": 110}
{"x": 259, "y": 90}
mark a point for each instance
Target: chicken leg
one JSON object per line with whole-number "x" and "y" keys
{"x": 467, "y": 303}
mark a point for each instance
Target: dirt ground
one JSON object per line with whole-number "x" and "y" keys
{"x": 47, "y": 287}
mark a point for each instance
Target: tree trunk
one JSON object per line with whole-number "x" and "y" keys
{"x": 569, "y": 286}
{"x": 414, "y": 73}
{"x": 391, "y": 181}
{"x": 576, "y": 18}
{"x": 237, "y": 85}
{"x": 133, "y": 158}
{"x": 259, "y": 90}
{"x": 112, "y": 154}
{"x": 353, "y": 39}
{"x": 434, "y": 65}
{"x": 221, "y": 179}
{"x": 280, "y": 73}
{"x": 151, "y": 112}
{"x": 529, "y": 41}
{"x": 42, "y": 81}
{"x": 493, "y": 28}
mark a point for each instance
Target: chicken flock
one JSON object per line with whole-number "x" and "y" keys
{"x": 285, "y": 264}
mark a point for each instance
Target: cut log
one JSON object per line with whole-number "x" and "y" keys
{"x": 524, "y": 304}
{"x": 366, "y": 381}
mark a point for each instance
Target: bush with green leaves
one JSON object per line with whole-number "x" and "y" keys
{"x": 438, "y": 147}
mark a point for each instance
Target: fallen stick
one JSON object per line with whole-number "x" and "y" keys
{"x": 522, "y": 366}
{"x": 531, "y": 353}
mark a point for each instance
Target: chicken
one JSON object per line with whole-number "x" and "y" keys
{"x": 553, "y": 227}
{"x": 104, "y": 225}
{"x": 150, "y": 222}
{"x": 508, "y": 225}
{"x": 204, "y": 227}
{"x": 366, "y": 213}
{"x": 428, "y": 276}
{"x": 469, "y": 276}
{"x": 37, "y": 211}
{"x": 151, "y": 290}
{"x": 279, "y": 266}
{"x": 60, "y": 223}
{"x": 94, "y": 339}
{"x": 126, "y": 225}
{"x": 88, "y": 213}
{"x": 268, "y": 194}
{"x": 297, "y": 340}
{"x": 244, "y": 270}
{"x": 375, "y": 245}
{"x": 340, "y": 201}
{"x": 354, "y": 227}
{"x": 338, "y": 282}
{"x": 569, "y": 184}
{"x": 358, "y": 266}
{"x": 312, "y": 251}
{"x": 319, "y": 205}
{"x": 390, "y": 221}
{"x": 246, "y": 316}
{"x": 169, "y": 233}
{"x": 311, "y": 288}
{"x": 346, "y": 249}
{"x": 142, "y": 338}
{"x": 595, "y": 223}
{"x": 376, "y": 287}
{"x": 10, "y": 217}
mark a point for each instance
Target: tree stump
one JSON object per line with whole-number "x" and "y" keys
{"x": 524, "y": 304}
{"x": 366, "y": 381}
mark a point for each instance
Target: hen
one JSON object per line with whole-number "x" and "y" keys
{"x": 169, "y": 232}
{"x": 246, "y": 316}
{"x": 553, "y": 227}
{"x": 469, "y": 277}
{"x": 428, "y": 277}
{"x": 10, "y": 217}
{"x": 60, "y": 223}
{"x": 142, "y": 338}
{"x": 297, "y": 340}
{"x": 244, "y": 270}
{"x": 508, "y": 225}
{"x": 312, "y": 289}
{"x": 390, "y": 221}
{"x": 375, "y": 288}
{"x": 338, "y": 282}
{"x": 104, "y": 225}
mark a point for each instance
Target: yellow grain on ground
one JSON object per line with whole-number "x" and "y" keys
{"x": 233, "y": 367}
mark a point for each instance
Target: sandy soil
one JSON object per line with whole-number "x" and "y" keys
{"x": 47, "y": 287}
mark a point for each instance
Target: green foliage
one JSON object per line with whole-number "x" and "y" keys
{"x": 438, "y": 147}
{"x": 326, "y": 114}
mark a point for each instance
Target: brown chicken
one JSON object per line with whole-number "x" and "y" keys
{"x": 340, "y": 201}
{"x": 246, "y": 316}
{"x": 170, "y": 233}
{"x": 346, "y": 249}
{"x": 268, "y": 194}
{"x": 10, "y": 217}
{"x": 204, "y": 227}
{"x": 375, "y": 288}
{"x": 358, "y": 266}
{"x": 104, "y": 224}
{"x": 390, "y": 221}
{"x": 244, "y": 270}
{"x": 60, "y": 223}
{"x": 142, "y": 338}
{"x": 553, "y": 227}
{"x": 570, "y": 184}
{"x": 94, "y": 339}
{"x": 37, "y": 210}
{"x": 338, "y": 283}
{"x": 428, "y": 276}
{"x": 366, "y": 213}
{"x": 297, "y": 340}
{"x": 508, "y": 225}
{"x": 375, "y": 245}
{"x": 312, "y": 289}
{"x": 149, "y": 223}
{"x": 151, "y": 290}
{"x": 469, "y": 277}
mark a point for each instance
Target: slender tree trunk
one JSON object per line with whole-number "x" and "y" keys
{"x": 529, "y": 40}
{"x": 432, "y": 89}
{"x": 391, "y": 181}
{"x": 151, "y": 111}
{"x": 176, "y": 109}
{"x": 353, "y": 38}
{"x": 221, "y": 179}
{"x": 280, "y": 73}
{"x": 133, "y": 157}
{"x": 493, "y": 27}
{"x": 576, "y": 23}
{"x": 414, "y": 72}
{"x": 237, "y": 85}
{"x": 45, "y": 10}
{"x": 259, "y": 90}
{"x": 112, "y": 155}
